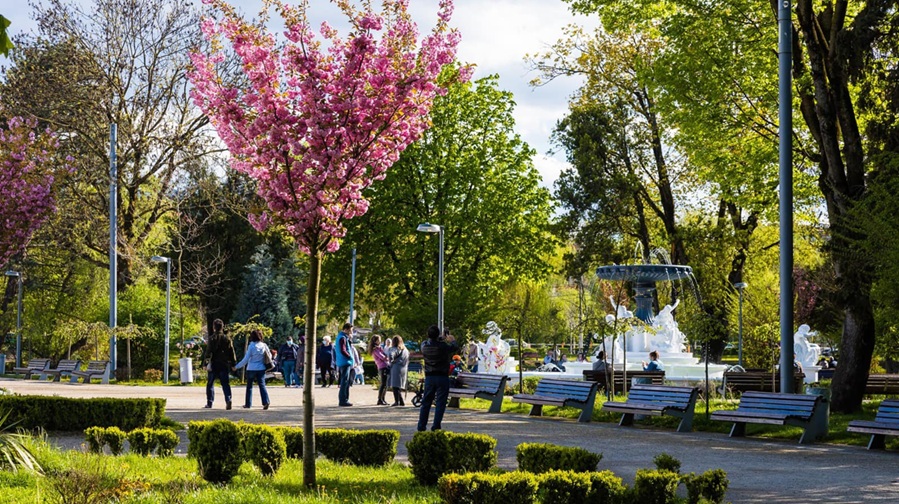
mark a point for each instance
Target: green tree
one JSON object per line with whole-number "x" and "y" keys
{"x": 473, "y": 175}
{"x": 270, "y": 295}
{"x": 5, "y": 43}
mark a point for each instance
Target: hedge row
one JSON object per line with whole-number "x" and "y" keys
{"x": 543, "y": 457}
{"x": 143, "y": 441}
{"x": 53, "y": 413}
{"x": 433, "y": 454}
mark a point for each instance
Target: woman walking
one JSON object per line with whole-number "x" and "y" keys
{"x": 324, "y": 359}
{"x": 255, "y": 361}
{"x": 399, "y": 366}
{"x": 383, "y": 364}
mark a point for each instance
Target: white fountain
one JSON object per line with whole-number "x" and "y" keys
{"x": 495, "y": 356}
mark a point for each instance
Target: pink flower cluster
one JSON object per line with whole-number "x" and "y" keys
{"x": 28, "y": 164}
{"x": 315, "y": 127}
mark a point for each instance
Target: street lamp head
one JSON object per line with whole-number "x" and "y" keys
{"x": 159, "y": 259}
{"x": 428, "y": 228}
{"x": 741, "y": 285}
{"x": 11, "y": 273}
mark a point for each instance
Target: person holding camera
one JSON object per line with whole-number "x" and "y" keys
{"x": 438, "y": 354}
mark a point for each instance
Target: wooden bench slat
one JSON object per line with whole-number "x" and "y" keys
{"x": 33, "y": 366}
{"x": 481, "y": 386}
{"x": 807, "y": 411}
{"x": 554, "y": 392}
{"x": 886, "y": 423}
{"x": 657, "y": 400}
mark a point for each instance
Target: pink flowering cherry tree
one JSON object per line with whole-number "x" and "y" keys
{"x": 316, "y": 120}
{"x": 30, "y": 170}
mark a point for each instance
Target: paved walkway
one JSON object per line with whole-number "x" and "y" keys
{"x": 759, "y": 470}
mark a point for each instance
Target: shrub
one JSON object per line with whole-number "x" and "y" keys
{"x": 142, "y": 441}
{"x": 435, "y": 453}
{"x": 166, "y": 441}
{"x": 115, "y": 439}
{"x": 528, "y": 386}
{"x": 655, "y": 487}
{"x": 152, "y": 375}
{"x": 293, "y": 441}
{"x": 665, "y": 462}
{"x": 564, "y": 486}
{"x": 710, "y": 485}
{"x": 217, "y": 448}
{"x": 94, "y": 438}
{"x": 605, "y": 488}
{"x": 94, "y": 482}
{"x": 14, "y": 451}
{"x": 193, "y": 435}
{"x": 543, "y": 457}
{"x": 358, "y": 447}
{"x": 263, "y": 446}
{"x": 54, "y": 413}
{"x": 482, "y": 488}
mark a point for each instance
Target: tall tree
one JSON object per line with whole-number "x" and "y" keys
{"x": 473, "y": 175}
{"x": 314, "y": 128}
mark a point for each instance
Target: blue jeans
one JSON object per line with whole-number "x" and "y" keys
{"x": 343, "y": 374}
{"x": 289, "y": 370}
{"x": 257, "y": 376}
{"x": 224, "y": 379}
{"x": 436, "y": 390}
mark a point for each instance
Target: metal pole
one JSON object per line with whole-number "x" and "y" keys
{"x": 440, "y": 292}
{"x": 785, "y": 113}
{"x": 113, "y": 253}
{"x": 168, "y": 315}
{"x": 353, "y": 289}
{"x": 19, "y": 320}
{"x": 740, "y": 329}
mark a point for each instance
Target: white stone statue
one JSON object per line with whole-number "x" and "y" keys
{"x": 668, "y": 338}
{"x": 495, "y": 354}
{"x": 806, "y": 353}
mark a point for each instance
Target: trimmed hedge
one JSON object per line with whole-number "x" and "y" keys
{"x": 652, "y": 486}
{"x": 142, "y": 441}
{"x": 53, "y": 413}
{"x": 710, "y": 485}
{"x": 216, "y": 446}
{"x": 543, "y": 457}
{"x": 263, "y": 446}
{"x": 358, "y": 447}
{"x": 564, "y": 486}
{"x": 606, "y": 488}
{"x": 483, "y": 488}
{"x": 666, "y": 462}
{"x": 433, "y": 454}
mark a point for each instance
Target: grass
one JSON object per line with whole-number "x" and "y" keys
{"x": 73, "y": 476}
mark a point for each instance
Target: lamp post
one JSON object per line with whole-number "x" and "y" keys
{"x": 18, "y": 277}
{"x": 740, "y": 286}
{"x": 168, "y": 311}
{"x": 434, "y": 228}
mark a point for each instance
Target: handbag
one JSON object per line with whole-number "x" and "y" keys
{"x": 267, "y": 359}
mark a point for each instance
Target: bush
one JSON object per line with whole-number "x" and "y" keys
{"x": 482, "y": 488}
{"x": 435, "y": 453}
{"x": 293, "y": 441}
{"x": 655, "y": 487}
{"x": 166, "y": 442}
{"x": 605, "y": 488}
{"x": 263, "y": 446}
{"x": 710, "y": 485}
{"x": 564, "y": 486}
{"x": 94, "y": 438}
{"x": 358, "y": 447}
{"x": 217, "y": 448}
{"x": 54, "y": 413}
{"x": 528, "y": 386}
{"x": 142, "y": 441}
{"x": 98, "y": 437}
{"x": 153, "y": 375}
{"x": 665, "y": 462}
{"x": 543, "y": 457}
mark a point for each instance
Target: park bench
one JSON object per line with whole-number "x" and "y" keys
{"x": 491, "y": 387}
{"x": 882, "y": 384}
{"x": 33, "y": 366}
{"x": 886, "y": 423}
{"x": 758, "y": 380}
{"x": 555, "y": 392}
{"x": 657, "y": 400}
{"x": 806, "y": 411}
{"x": 98, "y": 368}
{"x": 63, "y": 368}
{"x": 654, "y": 378}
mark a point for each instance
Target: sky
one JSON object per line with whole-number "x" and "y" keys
{"x": 496, "y": 36}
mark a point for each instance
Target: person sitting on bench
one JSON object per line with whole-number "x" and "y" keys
{"x": 654, "y": 363}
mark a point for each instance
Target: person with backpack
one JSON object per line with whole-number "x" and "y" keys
{"x": 287, "y": 358}
{"x": 219, "y": 358}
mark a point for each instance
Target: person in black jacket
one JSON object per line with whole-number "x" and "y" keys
{"x": 438, "y": 353}
{"x": 219, "y": 358}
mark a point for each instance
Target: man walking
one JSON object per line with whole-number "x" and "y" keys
{"x": 438, "y": 353}
{"x": 287, "y": 355}
{"x": 219, "y": 358}
{"x": 344, "y": 364}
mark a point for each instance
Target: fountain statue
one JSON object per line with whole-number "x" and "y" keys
{"x": 806, "y": 353}
{"x": 494, "y": 356}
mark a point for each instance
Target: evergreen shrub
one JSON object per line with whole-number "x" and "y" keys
{"x": 544, "y": 457}
{"x": 293, "y": 441}
{"x": 484, "y": 488}
{"x": 606, "y": 488}
{"x": 653, "y": 486}
{"x": 216, "y": 446}
{"x": 564, "y": 486}
{"x": 710, "y": 485}
{"x": 665, "y": 462}
{"x": 54, "y": 413}
{"x": 263, "y": 446}
{"x": 142, "y": 441}
{"x": 358, "y": 447}
{"x": 166, "y": 441}
{"x": 433, "y": 454}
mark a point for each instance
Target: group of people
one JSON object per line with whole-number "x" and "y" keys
{"x": 220, "y": 360}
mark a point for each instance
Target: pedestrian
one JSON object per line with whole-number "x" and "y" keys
{"x": 358, "y": 368}
{"x": 301, "y": 360}
{"x": 472, "y": 357}
{"x": 399, "y": 368}
{"x": 257, "y": 360}
{"x": 383, "y": 365}
{"x": 345, "y": 363}
{"x": 287, "y": 358}
{"x": 218, "y": 357}
{"x": 438, "y": 354}
{"x": 324, "y": 359}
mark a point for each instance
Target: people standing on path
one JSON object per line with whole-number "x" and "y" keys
{"x": 383, "y": 365}
{"x": 255, "y": 361}
{"x": 301, "y": 360}
{"x": 358, "y": 368}
{"x": 324, "y": 359}
{"x": 288, "y": 353}
{"x": 219, "y": 358}
{"x": 344, "y": 364}
{"x": 438, "y": 352}
{"x": 399, "y": 367}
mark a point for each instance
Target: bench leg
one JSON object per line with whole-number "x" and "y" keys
{"x": 453, "y": 402}
{"x": 73, "y": 379}
{"x": 627, "y": 420}
{"x": 738, "y": 430}
{"x": 586, "y": 415}
{"x": 878, "y": 442}
{"x": 536, "y": 410}
{"x": 686, "y": 423}
{"x": 496, "y": 405}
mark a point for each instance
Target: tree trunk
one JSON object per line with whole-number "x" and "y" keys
{"x": 315, "y": 269}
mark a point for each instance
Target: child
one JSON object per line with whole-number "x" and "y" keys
{"x": 456, "y": 366}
